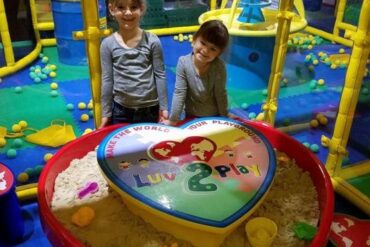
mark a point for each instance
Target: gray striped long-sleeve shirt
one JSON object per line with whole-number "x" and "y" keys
{"x": 201, "y": 95}
{"x": 133, "y": 77}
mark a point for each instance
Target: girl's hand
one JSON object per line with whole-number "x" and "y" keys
{"x": 163, "y": 116}
{"x": 170, "y": 123}
{"x": 104, "y": 122}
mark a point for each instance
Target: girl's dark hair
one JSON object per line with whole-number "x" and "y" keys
{"x": 215, "y": 32}
{"x": 138, "y": 2}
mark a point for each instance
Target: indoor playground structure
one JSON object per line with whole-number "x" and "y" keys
{"x": 293, "y": 86}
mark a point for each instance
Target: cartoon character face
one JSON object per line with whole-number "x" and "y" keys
{"x": 124, "y": 165}
{"x": 2, "y": 181}
{"x": 144, "y": 162}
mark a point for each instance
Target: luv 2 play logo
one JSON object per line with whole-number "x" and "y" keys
{"x": 182, "y": 170}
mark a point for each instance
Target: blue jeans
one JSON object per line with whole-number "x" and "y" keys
{"x": 121, "y": 114}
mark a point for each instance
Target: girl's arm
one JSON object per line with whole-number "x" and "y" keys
{"x": 220, "y": 89}
{"x": 160, "y": 77}
{"x": 106, "y": 81}
{"x": 179, "y": 95}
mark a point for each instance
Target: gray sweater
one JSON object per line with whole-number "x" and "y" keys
{"x": 133, "y": 77}
{"x": 201, "y": 96}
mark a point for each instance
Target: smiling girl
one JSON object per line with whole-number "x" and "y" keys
{"x": 201, "y": 75}
{"x": 134, "y": 85}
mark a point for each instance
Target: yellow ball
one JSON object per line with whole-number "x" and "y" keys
{"x": 87, "y": 131}
{"x": 90, "y": 105}
{"x": 314, "y": 123}
{"x": 176, "y": 37}
{"x": 84, "y": 117}
{"x": 81, "y": 105}
{"x": 341, "y": 50}
{"x": 2, "y": 142}
{"x": 53, "y": 67}
{"x": 333, "y": 66}
{"x": 309, "y": 47}
{"x": 321, "y": 82}
{"x": 319, "y": 115}
{"x": 323, "y": 120}
{"x": 47, "y": 157}
{"x": 23, "y": 177}
{"x": 53, "y": 85}
{"x": 52, "y": 74}
{"x": 16, "y": 128}
{"x": 23, "y": 124}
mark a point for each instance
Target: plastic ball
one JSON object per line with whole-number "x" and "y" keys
{"x": 321, "y": 82}
{"x": 252, "y": 115}
{"x": 17, "y": 143}
{"x": 81, "y": 106}
{"x": 314, "y": 123}
{"x": 88, "y": 130}
{"x": 2, "y": 142}
{"x": 37, "y": 70}
{"x": 53, "y": 85}
{"x": 91, "y": 113}
{"x": 319, "y": 115}
{"x": 315, "y": 62}
{"x": 323, "y": 120}
{"x": 365, "y": 91}
{"x": 264, "y": 92}
{"x": 306, "y": 144}
{"x": 53, "y": 67}
{"x": 23, "y": 124}
{"x": 90, "y": 105}
{"x": 32, "y": 75}
{"x": 54, "y": 93}
{"x": 341, "y": 50}
{"x": 37, "y": 79}
{"x": 18, "y": 89}
{"x": 38, "y": 169}
{"x": 314, "y": 148}
{"x": 23, "y": 177}
{"x": 176, "y": 37}
{"x": 30, "y": 171}
{"x": 52, "y": 74}
{"x": 45, "y": 60}
{"x": 244, "y": 106}
{"x": 84, "y": 117}
{"x": 333, "y": 66}
{"x": 11, "y": 153}
{"x": 47, "y": 157}
{"x": 70, "y": 107}
{"x": 16, "y": 128}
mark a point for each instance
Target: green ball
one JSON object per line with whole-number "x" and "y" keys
{"x": 54, "y": 93}
{"x": 17, "y": 143}
{"x": 252, "y": 115}
{"x": 314, "y": 148}
{"x": 70, "y": 107}
{"x": 245, "y": 106}
{"x": 18, "y": 89}
{"x": 30, "y": 171}
{"x": 306, "y": 144}
{"x": 11, "y": 153}
{"x": 38, "y": 169}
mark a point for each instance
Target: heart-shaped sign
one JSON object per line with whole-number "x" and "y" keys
{"x": 211, "y": 171}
